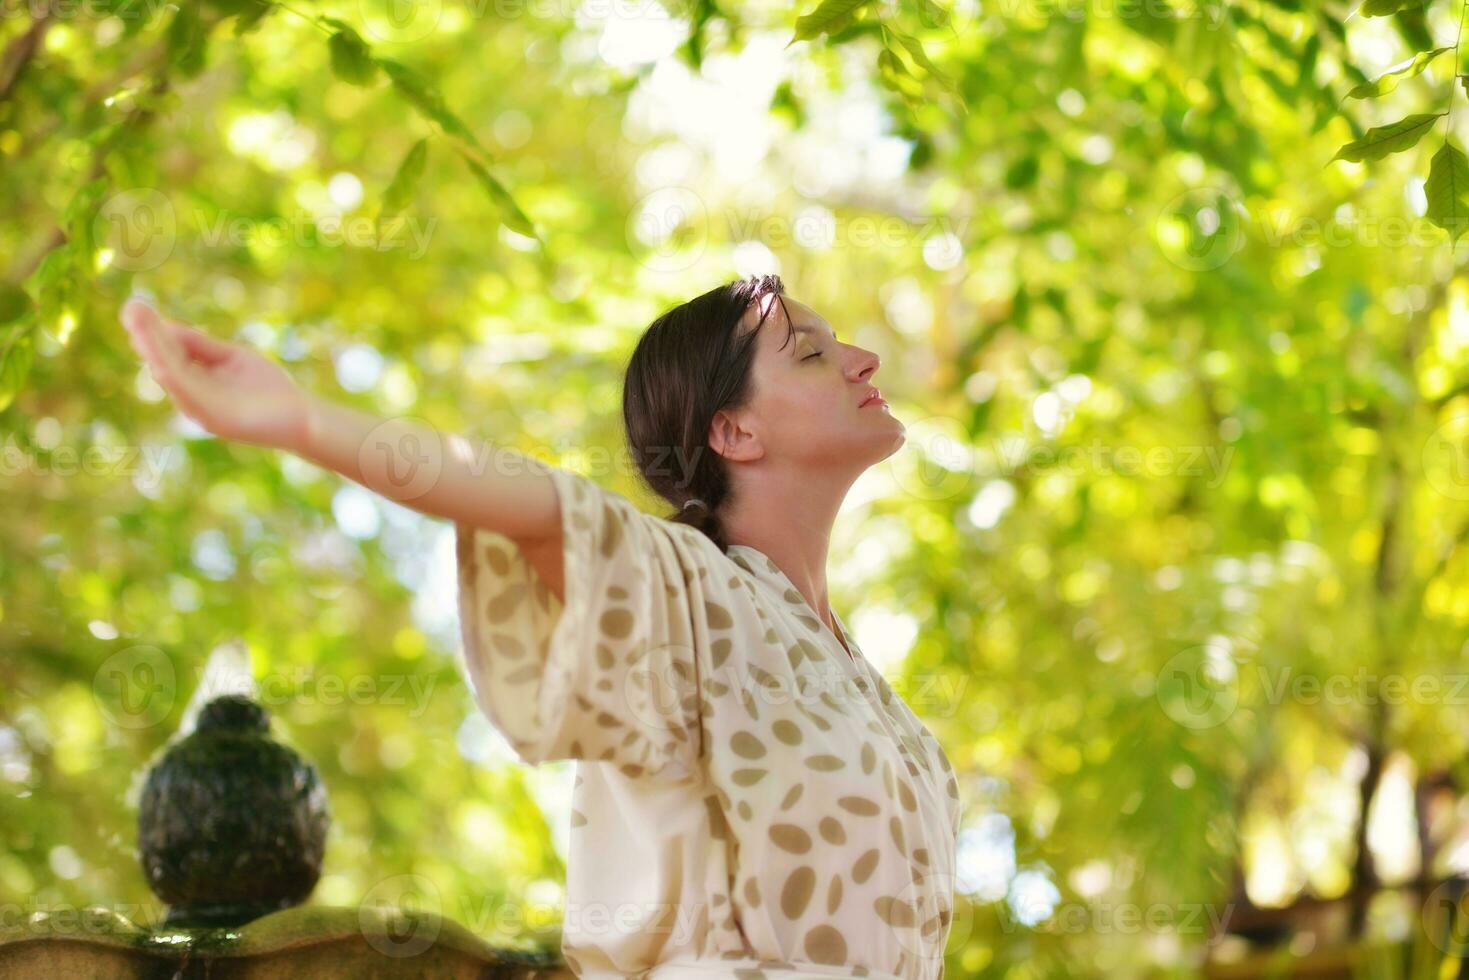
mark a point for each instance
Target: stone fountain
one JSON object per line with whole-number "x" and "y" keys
{"x": 232, "y": 828}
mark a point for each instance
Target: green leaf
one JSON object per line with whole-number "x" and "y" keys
{"x": 699, "y": 16}
{"x": 134, "y": 14}
{"x": 230, "y": 8}
{"x": 14, "y": 303}
{"x": 828, "y": 18}
{"x": 80, "y": 211}
{"x": 509, "y": 210}
{"x": 351, "y": 60}
{"x": 1308, "y": 59}
{"x": 931, "y": 14}
{"x": 417, "y": 90}
{"x": 854, "y": 30}
{"x": 1379, "y": 141}
{"x": 185, "y": 41}
{"x": 405, "y": 181}
{"x": 252, "y": 16}
{"x": 1382, "y": 8}
{"x": 890, "y": 62}
{"x": 896, "y": 76}
{"x": 1446, "y": 189}
{"x": 921, "y": 59}
{"x": 55, "y": 279}
{"x": 15, "y": 364}
{"x": 1388, "y": 81}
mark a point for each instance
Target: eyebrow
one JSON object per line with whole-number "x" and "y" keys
{"x": 804, "y": 328}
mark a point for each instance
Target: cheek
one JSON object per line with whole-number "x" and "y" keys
{"x": 799, "y": 405}
{"x": 800, "y": 420}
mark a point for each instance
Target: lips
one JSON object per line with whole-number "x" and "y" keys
{"x": 871, "y": 396}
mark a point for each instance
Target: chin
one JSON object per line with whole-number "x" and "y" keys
{"x": 891, "y": 445}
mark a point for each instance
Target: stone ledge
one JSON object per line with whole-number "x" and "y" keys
{"x": 310, "y": 941}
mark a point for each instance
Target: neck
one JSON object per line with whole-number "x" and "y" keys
{"x": 795, "y": 533}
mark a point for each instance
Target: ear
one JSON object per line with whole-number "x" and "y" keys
{"x": 730, "y": 438}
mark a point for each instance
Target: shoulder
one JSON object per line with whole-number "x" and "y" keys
{"x": 601, "y": 506}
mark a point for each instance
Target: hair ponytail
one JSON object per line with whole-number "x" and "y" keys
{"x": 691, "y": 362}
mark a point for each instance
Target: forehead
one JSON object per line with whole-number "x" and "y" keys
{"x": 775, "y": 334}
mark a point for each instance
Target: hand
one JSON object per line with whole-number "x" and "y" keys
{"x": 232, "y": 391}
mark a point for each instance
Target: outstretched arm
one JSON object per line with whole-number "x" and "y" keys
{"x": 241, "y": 395}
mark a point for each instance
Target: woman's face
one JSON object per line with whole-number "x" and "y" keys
{"x": 807, "y": 391}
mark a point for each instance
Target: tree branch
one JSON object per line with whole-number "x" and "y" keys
{"x": 21, "y": 51}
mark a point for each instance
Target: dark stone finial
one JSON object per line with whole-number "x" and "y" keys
{"x": 232, "y": 824}
{"x": 233, "y": 713}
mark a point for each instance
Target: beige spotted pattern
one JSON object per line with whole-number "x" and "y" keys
{"x": 750, "y": 800}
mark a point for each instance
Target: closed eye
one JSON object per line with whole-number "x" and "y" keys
{"x": 809, "y": 356}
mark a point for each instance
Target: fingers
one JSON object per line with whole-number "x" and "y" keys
{"x": 139, "y": 318}
{"x": 197, "y": 344}
{"x": 164, "y": 355}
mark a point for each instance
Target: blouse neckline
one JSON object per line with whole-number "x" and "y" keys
{"x": 844, "y": 642}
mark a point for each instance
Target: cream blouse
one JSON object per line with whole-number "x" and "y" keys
{"x": 751, "y": 800}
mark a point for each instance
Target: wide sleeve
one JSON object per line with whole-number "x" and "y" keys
{"x": 611, "y": 674}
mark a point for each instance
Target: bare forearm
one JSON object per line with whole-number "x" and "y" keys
{"x": 436, "y": 473}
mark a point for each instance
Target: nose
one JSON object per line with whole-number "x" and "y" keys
{"x": 866, "y": 364}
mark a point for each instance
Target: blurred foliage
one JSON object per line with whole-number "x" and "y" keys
{"x": 1187, "y": 398}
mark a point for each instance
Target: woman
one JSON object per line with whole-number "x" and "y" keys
{"x": 752, "y": 797}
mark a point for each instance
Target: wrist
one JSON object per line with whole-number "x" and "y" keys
{"x": 305, "y": 439}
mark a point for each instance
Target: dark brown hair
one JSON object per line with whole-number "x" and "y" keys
{"x": 690, "y": 363}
